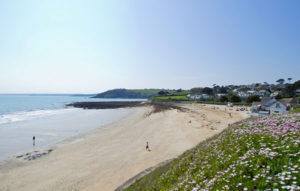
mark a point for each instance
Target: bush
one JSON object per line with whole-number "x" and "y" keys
{"x": 278, "y": 97}
{"x": 223, "y": 98}
{"x": 235, "y": 98}
{"x": 253, "y": 98}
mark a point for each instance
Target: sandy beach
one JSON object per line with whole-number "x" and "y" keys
{"x": 107, "y": 157}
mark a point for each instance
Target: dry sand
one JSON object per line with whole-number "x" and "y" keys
{"x": 109, "y": 156}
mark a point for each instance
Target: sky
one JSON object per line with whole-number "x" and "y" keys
{"x": 90, "y": 46}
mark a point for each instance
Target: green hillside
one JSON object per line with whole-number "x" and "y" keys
{"x": 125, "y": 93}
{"x": 255, "y": 154}
{"x": 149, "y": 92}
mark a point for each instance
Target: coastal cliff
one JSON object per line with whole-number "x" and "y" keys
{"x": 128, "y": 94}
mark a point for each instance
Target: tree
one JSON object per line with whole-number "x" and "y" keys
{"x": 289, "y": 79}
{"x": 280, "y": 81}
{"x": 215, "y": 88}
{"x": 253, "y": 98}
{"x": 223, "y": 90}
{"x": 297, "y": 84}
{"x": 235, "y": 98}
{"x": 223, "y": 98}
{"x": 278, "y": 97}
{"x": 289, "y": 90}
{"x": 162, "y": 92}
{"x": 196, "y": 90}
{"x": 207, "y": 90}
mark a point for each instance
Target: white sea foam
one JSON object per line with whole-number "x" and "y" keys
{"x": 51, "y": 127}
{"x": 27, "y": 115}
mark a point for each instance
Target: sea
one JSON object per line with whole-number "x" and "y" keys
{"x": 47, "y": 117}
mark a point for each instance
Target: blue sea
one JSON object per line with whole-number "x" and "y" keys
{"x": 19, "y": 107}
{"x": 48, "y": 119}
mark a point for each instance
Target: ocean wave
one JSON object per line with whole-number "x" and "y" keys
{"x": 27, "y": 115}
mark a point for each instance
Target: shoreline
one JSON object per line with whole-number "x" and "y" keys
{"x": 55, "y": 131}
{"x": 108, "y": 157}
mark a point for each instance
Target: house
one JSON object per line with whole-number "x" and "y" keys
{"x": 220, "y": 95}
{"x": 298, "y": 92}
{"x": 243, "y": 94}
{"x": 197, "y": 96}
{"x": 251, "y": 92}
{"x": 268, "y": 106}
{"x": 235, "y": 90}
{"x": 274, "y": 94}
{"x": 264, "y": 92}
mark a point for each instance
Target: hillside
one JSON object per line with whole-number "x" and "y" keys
{"x": 255, "y": 154}
{"x": 129, "y": 94}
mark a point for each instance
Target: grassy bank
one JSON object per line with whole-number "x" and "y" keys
{"x": 259, "y": 153}
{"x": 296, "y": 109}
{"x": 184, "y": 99}
{"x": 177, "y": 98}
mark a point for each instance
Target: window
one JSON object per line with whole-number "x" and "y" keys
{"x": 277, "y": 105}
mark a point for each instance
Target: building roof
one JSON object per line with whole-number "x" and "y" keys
{"x": 267, "y": 101}
{"x": 283, "y": 103}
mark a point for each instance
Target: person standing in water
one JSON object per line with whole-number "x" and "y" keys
{"x": 33, "y": 139}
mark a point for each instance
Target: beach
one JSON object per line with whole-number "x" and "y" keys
{"x": 107, "y": 157}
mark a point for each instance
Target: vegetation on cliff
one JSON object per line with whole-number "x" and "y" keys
{"x": 127, "y": 93}
{"x": 255, "y": 154}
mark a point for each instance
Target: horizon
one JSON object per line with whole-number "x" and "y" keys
{"x": 88, "y": 47}
{"x": 76, "y": 93}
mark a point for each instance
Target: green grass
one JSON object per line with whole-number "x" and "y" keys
{"x": 170, "y": 98}
{"x": 255, "y": 154}
{"x": 296, "y": 109}
{"x": 147, "y": 91}
{"x": 188, "y": 100}
{"x": 182, "y": 93}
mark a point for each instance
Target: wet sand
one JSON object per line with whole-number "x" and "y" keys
{"x": 109, "y": 156}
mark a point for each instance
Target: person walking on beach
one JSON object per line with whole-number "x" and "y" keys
{"x": 147, "y": 146}
{"x": 33, "y": 139}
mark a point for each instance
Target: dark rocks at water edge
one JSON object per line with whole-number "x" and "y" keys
{"x": 34, "y": 155}
{"x": 157, "y": 107}
{"x": 104, "y": 105}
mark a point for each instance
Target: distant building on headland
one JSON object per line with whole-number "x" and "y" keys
{"x": 268, "y": 106}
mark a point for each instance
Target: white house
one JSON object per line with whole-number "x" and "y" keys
{"x": 263, "y": 92}
{"x": 251, "y": 92}
{"x": 220, "y": 95}
{"x": 274, "y": 94}
{"x": 243, "y": 94}
{"x": 268, "y": 106}
{"x": 197, "y": 96}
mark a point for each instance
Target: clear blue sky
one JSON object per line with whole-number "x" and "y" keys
{"x": 91, "y": 46}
